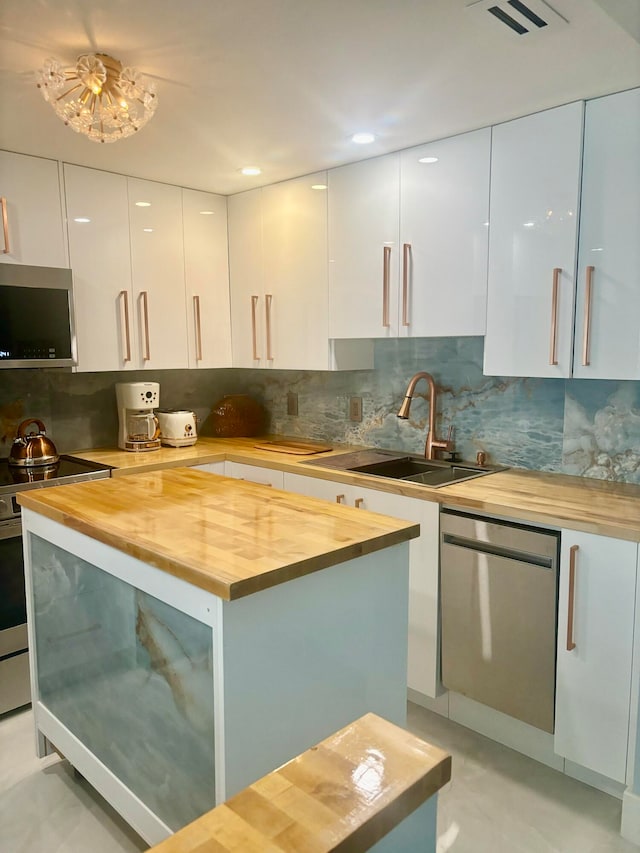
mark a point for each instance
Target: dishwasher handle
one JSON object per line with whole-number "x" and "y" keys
{"x": 498, "y": 551}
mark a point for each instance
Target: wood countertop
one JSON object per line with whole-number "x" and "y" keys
{"x": 229, "y": 537}
{"x": 580, "y": 503}
{"x": 344, "y": 794}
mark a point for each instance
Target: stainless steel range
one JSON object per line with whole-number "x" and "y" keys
{"x": 14, "y": 654}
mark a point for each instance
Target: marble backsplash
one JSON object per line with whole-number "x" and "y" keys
{"x": 584, "y": 427}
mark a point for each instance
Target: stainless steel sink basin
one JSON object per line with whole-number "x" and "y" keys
{"x": 428, "y": 472}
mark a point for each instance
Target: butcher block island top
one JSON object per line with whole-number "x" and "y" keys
{"x": 229, "y": 537}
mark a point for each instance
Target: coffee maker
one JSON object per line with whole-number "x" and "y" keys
{"x": 138, "y": 427}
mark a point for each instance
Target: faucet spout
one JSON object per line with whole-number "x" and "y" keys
{"x": 432, "y": 443}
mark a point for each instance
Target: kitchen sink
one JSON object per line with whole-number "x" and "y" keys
{"x": 428, "y": 472}
{"x": 412, "y": 469}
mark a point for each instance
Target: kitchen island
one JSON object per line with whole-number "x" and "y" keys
{"x": 189, "y": 633}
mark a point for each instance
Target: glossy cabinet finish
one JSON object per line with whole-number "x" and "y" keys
{"x": 595, "y": 644}
{"x": 246, "y": 278}
{"x": 206, "y": 273}
{"x": 608, "y": 317}
{"x": 444, "y": 229}
{"x": 294, "y": 221}
{"x": 31, "y": 217}
{"x": 98, "y": 229}
{"x": 254, "y": 474}
{"x": 535, "y": 180}
{"x": 157, "y": 264}
{"x": 364, "y": 248}
{"x": 424, "y": 650}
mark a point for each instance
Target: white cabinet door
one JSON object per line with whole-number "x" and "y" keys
{"x": 206, "y": 269}
{"x": 157, "y": 262}
{"x": 246, "y": 279}
{"x": 364, "y": 249}
{"x": 593, "y": 682}
{"x": 98, "y": 228}
{"x": 444, "y": 235}
{"x": 609, "y": 254}
{"x": 294, "y": 221}
{"x": 423, "y": 641}
{"x": 535, "y": 175}
{"x": 212, "y": 468}
{"x": 254, "y": 474}
{"x": 32, "y": 208}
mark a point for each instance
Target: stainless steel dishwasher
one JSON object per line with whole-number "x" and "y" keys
{"x": 499, "y": 586}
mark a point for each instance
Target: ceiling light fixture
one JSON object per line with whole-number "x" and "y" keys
{"x": 98, "y": 97}
{"x": 143, "y": 204}
{"x": 251, "y": 170}
{"x": 318, "y": 186}
{"x": 362, "y": 138}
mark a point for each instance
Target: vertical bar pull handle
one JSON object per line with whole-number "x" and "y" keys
{"x": 5, "y": 226}
{"x": 555, "y": 293}
{"x": 198, "y": 327}
{"x": 254, "y": 330}
{"x": 572, "y": 595}
{"x": 406, "y": 259}
{"x": 386, "y": 270}
{"x": 586, "y": 337}
{"x": 339, "y": 499}
{"x": 268, "y": 298}
{"x": 124, "y": 297}
{"x": 145, "y": 315}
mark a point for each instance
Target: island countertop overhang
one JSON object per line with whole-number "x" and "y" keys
{"x": 229, "y": 537}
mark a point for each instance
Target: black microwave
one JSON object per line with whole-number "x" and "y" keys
{"x": 36, "y": 317}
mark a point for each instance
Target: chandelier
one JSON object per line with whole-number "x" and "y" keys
{"x": 98, "y": 97}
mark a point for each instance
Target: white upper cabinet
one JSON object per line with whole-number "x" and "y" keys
{"x": 206, "y": 271}
{"x": 608, "y": 290}
{"x": 246, "y": 279}
{"x": 364, "y": 248}
{"x": 294, "y": 222}
{"x": 98, "y": 228}
{"x": 31, "y": 218}
{"x": 157, "y": 263}
{"x": 535, "y": 181}
{"x": 444, "y": 228}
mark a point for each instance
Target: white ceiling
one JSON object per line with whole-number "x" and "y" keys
{"x": 284, "y": 83}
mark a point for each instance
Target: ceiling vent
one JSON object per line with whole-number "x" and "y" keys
{"x": 522, "y": 17}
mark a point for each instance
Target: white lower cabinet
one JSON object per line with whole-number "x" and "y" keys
{"x": 254, "y": 474}
{"x": 212, "y": 468}
{"x": 424, "y": 651}
{"x": 595, "y": 643}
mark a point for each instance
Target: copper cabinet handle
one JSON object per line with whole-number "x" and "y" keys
{"x": 268, "y": 297}
{"x": 254, "y": 331}
{"x": 339, "y": 499}
{"x": 358, "y": 502}
{"x": 127, "y": 336}
{"x": 386, "y": 266}
{"x": 198, "y": 328}
{"x": 5, "y": 226}
{"x": 406, "y": 256}
{"x": 572, "y": 594}
{"x": 586, "y": 339}
{"x": 555, "y": 292}
{"x": 145, "y": 313}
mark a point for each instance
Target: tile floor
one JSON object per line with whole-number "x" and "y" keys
{"x": 497, "y": 802}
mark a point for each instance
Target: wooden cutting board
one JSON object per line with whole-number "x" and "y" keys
{"x": 300, "y": 448}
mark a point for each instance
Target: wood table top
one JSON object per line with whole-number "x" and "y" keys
{"x": 230, "y": 537}
{"x": 580, "y": 503}
{"x": 344, "y": 794}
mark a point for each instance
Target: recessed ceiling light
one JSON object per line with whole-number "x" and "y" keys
{"x": 81, "y": 219}
{"x": 143, "y": 204}
{"x": 251, "y": 170}
{"x": 363, "y": 138}
{"x": 318, "y": 186}
{"x": 148, "y": 230}
{"x": 428, "y": 160}
{"x": 206, "y": 212}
